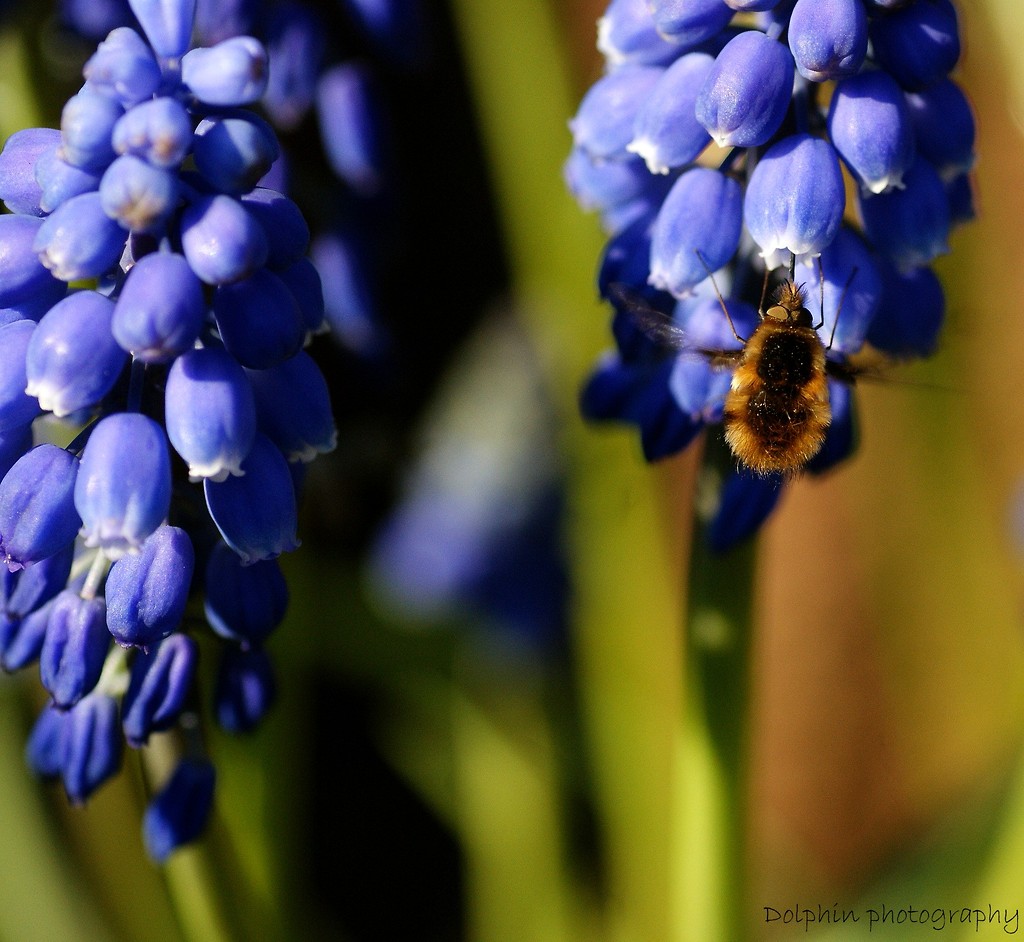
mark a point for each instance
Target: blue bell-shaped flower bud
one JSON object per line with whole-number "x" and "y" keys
{"x": 234, "y": 152}
{"x": 23, "y": 278}
{"x": 828, "y": 38}
{"x": 960, "y": 194}
{"x": 161, "y": 308}
{"x": 747, "y": 91}
{"x": 245, "y": 689}
{"x": 123, "y": 491}
{"x": 157, "y": 692}
{"x": 910, "y": 226}
{"x": 27, "y": 590}
{"x": 869, "y": 125}
{"x": 639, "y": 395}
{"x": 943, "y": 127}
{"x": 919, "y": 44}
{"x": 86, "y": 124}
{"x": 697, "y": 387}
{"x": 123, "y": 68}
{"x": 303, "y": 281}
{"x": 178, "y": 813}
{"x": 59, "y": 181}
{"x": 75, "y": 647}
{"x": 697, "y": 229}
{"x": 349, "y": 304}
{"x": 666, "y": 131}
{"x": 604, "y": 184}
{"x": 72, "y": 360}
{"x": 220, "y": 19}
{"x": 138, "y": 195}
{"x": 349, "y": 116}
{"x": 259, "y": 320}
{"x": 27, "y": 610}
{"x": 19, "y": 188}
{"x": 626, "y": 261}
{"x": 795, "y": 199}
{"x": 79, "y": 240}
{"x": 689, "y": 22}
{"x": 210, "y": 413}
{"x": 278, "y": 177}
{"x": 92, "y": 746}
{"x": 744, "y": 504}
{"x": 293, "y": 407}
{"x": 243, "y": 603}
{"x": 295, "y": 44}
{"x": 16, "y": 408}
{"x": 13, "y": 444}
{"x": 21, "y": 639}
{"x": 256, "y": 513}
{"x": 147, "y": 591}
{"x": 159, "y": 131}
{"x": 232, "y": 73}
{"x": 851, "y": 276}
{"x": 167, "y": 24}
{"x": 93, "y": 19}
{"x": 282, "y": 223}
{"x": 603, "y": 125}
{"x": 37, "y": 506}
{"x": 44, "y": 751}
{"x": 221, "y": 240}
{"x": 910, "y": 313}
{"x": 626, "y": 33}
{"x": 616, "y": 391}
{"x": 643, "y": 209}
{"x": 841, "y": 434}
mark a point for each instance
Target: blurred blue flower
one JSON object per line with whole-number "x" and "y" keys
{"x": 178, "y": 812}
{"x": 476, "y": 537}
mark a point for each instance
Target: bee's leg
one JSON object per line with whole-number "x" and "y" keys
{"x": 721, "y": 300}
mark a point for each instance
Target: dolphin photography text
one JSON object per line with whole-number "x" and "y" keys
{"x": 884, "y": 917}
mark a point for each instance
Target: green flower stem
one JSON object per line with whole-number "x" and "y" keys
{"x": 214, "y": 897}
{"x": 718, "y": 671}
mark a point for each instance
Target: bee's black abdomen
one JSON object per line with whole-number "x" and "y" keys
{"x": 787, "y": 358}
{"x": 776, "y": 417}
{"x": 777, "y": 411}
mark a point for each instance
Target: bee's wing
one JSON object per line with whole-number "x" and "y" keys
{"x": 875, "y": 369}
{"x": 660, "y": 328}
{"x": 849, "y": 373}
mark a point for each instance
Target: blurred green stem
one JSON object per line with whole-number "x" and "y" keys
{"x": 718, "y": 671}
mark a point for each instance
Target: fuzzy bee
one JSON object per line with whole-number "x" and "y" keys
{"x": 777, "y": 409}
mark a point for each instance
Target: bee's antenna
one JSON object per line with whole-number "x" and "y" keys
{"x": 792, "y": 267}
{"x": 721, "y": 300}
{"x": 839, "y": 309}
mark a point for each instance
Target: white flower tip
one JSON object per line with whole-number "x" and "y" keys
{"x": 871, "y": 188}
{"x": 49, "y": 397}
{"x": 647, "y": 149}
{"x": 215, "y": 471}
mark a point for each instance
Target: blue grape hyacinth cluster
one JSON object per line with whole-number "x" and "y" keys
{"x": 156, "y": 406}
{"x": 724, "y": 136}
{"x": 312, "y": 78}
